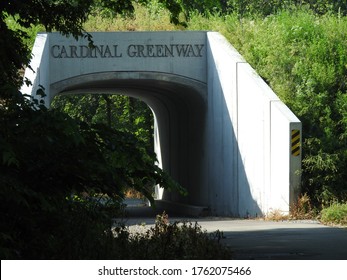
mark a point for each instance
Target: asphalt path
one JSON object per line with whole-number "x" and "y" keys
{"x": 265, "y": 240}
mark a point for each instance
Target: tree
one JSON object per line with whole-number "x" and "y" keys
{"x": 119, "y": 112}
{"x": 65, "y": 16}
{"x": 48, "y": 159}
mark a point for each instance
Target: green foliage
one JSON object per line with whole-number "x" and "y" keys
{"x": 130, "y": 119}
{"x": 65, "y": 16}
{"x": 123, "y": 113}
{"x": 46, "y": 156}
{"x": 253, "y": 7}
{"x": 41, "y": 226}
{"x": 203, "y": 7}
{"x": 335, "y": 214}
{"x": 268, "y": 7}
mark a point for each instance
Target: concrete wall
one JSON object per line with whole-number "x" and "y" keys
{"x": 253, "y": 127}
{"x": 221, "y": 131}
{"x": 39, "y": 74}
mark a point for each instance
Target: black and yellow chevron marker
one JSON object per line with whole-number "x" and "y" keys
{"x": 295, "y": 142}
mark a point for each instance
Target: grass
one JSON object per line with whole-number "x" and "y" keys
{"x": 152, "y": 17}
{"x": 303, "y": 209}
{"x": 335, "y": 214}
{"x": 276, "y": 216}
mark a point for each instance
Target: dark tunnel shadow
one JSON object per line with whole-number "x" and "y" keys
{"x": 321, "y": 243}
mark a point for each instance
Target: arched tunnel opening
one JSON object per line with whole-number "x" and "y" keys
{"x": 179, "y": 108}
{"x": 223, "y": 134}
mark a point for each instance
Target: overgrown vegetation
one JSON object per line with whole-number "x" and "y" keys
{"x": 303, "y": 209}
{"x": 50, "y": 159}
{"x": 47, "y": 157}
{"x": 335, "y": 214}
{"x": 121, "y": 113}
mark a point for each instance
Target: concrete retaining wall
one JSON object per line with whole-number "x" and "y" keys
{"x": 259, "y": 172}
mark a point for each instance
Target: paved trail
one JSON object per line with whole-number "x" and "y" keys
{"x": 258, "y": 239}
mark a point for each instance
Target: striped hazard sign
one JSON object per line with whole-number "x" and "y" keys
{"x": 295, "y": 142}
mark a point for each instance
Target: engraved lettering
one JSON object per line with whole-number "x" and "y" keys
{"x": 159, "y": 50}
{"x": 132, "y": 51}
{"x": 190, "y": 51}
{"x": 63, "y": 53}
{"x": 73, "y": 51}
{"x": 107, "y": 52}
{"x": 55, "y": 51}
{"x": 140, "y": 49}
{"x": 169, "y": 51}
{"x": 182, "y": 50}
{"x": 84, "y": 51}
{"x": 199, "y": 49}
{"x": 97, "y": 51}
{"x": 150, "y": 52}
{"x": 115, "y": 48}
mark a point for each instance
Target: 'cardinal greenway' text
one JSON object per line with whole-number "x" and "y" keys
{"x": 132, "y": 51}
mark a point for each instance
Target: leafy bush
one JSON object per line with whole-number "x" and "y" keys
{"x": 46, "y": 157}
{"x": 121, "y": 113}
{"x": 80, "y": 228}
{"x": 336, "y": 214}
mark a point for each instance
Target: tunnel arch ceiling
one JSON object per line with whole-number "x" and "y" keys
{"x": 224, "y": 134}
{"x": 179, "y": 107}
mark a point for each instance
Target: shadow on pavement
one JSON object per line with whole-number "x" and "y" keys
{"x": 314, "y": 243}
{"x": 265, "y": 240}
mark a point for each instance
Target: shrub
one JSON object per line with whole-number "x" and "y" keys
{"x": 303, "y": 208}
{"x": 335, "y": 214}
{"x": 46, "y": 157}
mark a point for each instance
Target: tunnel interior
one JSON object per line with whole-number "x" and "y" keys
{"x": 179, "y": 107}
